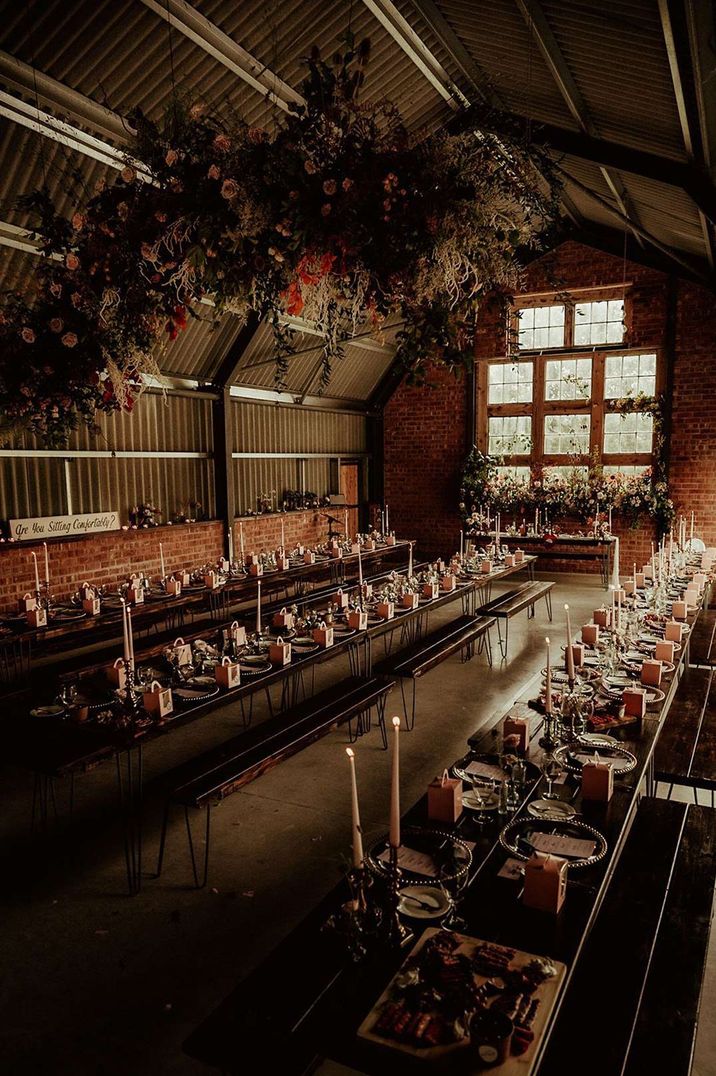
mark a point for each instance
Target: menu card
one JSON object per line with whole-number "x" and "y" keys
{"x": 485, "y": 769}
{"x": 557, "y": 844}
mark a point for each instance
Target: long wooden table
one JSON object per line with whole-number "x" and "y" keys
{"x": 307, "y": 999}
{"x": 75, "y": 633}
{"x": 559, "y": 547}
{"x": 56, "y": 749}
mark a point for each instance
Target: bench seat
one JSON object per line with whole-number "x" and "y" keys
{"x": 507, "y": 605}
{"x": 461, "y": 634}
{"x": 215, "y": 774}
{"x": 634, "y": 992}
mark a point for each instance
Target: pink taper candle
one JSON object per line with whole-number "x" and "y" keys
{"x": 570, "y": 655}
{"x": 357, "y": 833}
{"x": 395, "y": 787}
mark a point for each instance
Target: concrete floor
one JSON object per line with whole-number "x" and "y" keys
{"x": 95, "y": 982}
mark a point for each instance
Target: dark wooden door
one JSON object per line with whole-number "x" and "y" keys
{"x": 349, "y": 488}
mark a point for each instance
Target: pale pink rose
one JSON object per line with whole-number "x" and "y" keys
{"x": 347, "y": 184}
{"x": 28, "y": 335}
{"x": 100, "y": 186}
{"x": 57, "y": 325}
{"x": 128, "y": 174}
{"x": 172, "y": 157}
{"x": 56, "y": 290}
{"x": 160, "y": 216}
{"x": 229, "y": 189}
{"x": 214, "y": 171}
{"x": 196, "y": 111}
{"x": 69, "y": 339}
{"x": 76, "y": 299}
{"x": 78, "y": 221}
{"x": 310, "y": 168}
{"x": 222, "y": 142}
{"x": 72, "y": 261}
{"x": 329, "y": 187}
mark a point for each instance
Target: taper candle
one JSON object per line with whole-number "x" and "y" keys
{"x": 548, "y": 683}
{"x": 360, "y": 566}
{"x": 37, "y": 573}
{"x": 130, "y": 635}
{"x": 241, "y": 541}
{"x": 47, "y": 566}
{"x": 410, "y": 562}
{"x": 258, "y": 607}
{"x": 570, "y": 655}
{"x": 357, "y": 833}
{"x": 283, "y": 536}
{"x": 462, "y": 541}
{"x": 345, "y": 521}
{"x": 395, "y": 787}
{"x": 161, "y": 559}
{"x": 125, "y": 633}
{"x": 692, "y": 526}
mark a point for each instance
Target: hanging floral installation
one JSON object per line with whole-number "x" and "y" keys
{"x": 340, "y": 216}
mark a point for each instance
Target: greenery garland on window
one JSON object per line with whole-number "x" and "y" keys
{"x": 576, "y": 496}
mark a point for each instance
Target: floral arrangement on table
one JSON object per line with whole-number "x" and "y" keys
{"x": 339, "y": 216}
{"x": 577, "y": 495}
{"x": 144, "y": 515}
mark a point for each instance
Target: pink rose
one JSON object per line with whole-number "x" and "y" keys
{"x": 229, "y": 189}
{"x": 147, "y": 252}
{"x": 122, "y": 210}
{"x": 28, "y": 335}
{"x": 256, "y": 134}
{"x": 72, "y": 261}
{"x": 347, "y": 184}
{"x": 75, "y": 299}
{"x": 100, "y": 186}
{"x": 329, "y": 187}
{"x": 310, "y": 168}
{"x": 57, "y": 325}
{"x": 56, "y": 290}
{"x": 196, "y": 111}
{"x": 222, "y": 142}
{"x": 128, "y": 174}
{"x": 69, "y": 339}
{"x": 160, "y": 216}
{"x": 172, "y": 157}
{"x": 78, "y": 221}
{"x": 214, "y": 171}
{"x": 325, "y": 209}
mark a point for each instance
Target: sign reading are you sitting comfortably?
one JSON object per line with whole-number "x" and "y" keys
{"x": 43, "y": 527}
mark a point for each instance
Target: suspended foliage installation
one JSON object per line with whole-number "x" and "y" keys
{"x": 339, "y": 216}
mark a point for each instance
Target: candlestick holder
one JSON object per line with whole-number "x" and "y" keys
{"x": 548, "y": 740}
{"x": 395, "y": 931}
{"x": 574, "y": 711}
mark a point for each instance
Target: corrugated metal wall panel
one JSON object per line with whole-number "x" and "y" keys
{"x": 117, "y": 484}
{"x": 268, "y": 428}
{"x": 255, "y": 477}
{"x": 31, "y": 487}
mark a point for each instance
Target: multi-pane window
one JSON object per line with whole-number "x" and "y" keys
{"x": 625, "y": 468}
{"x": 566, "y": 435}
{"x": 510, "y": 435}
{"x": 629, "y": 375}
{"x": 510, "y": 382}
{"x": 628, "y": 434}
{"x": 541, "y": 326}
{"x": 521, "y": 474}
{"x": 568, "y": 379}
{"x": 564, "y": 472}
{"x": 557, "y": 414}
{"x": 600, "y": 322}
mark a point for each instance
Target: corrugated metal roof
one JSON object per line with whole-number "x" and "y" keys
{"x": 197, "y": 352}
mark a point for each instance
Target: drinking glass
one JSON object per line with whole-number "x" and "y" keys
{"x": 483, "y": 789}
{"x": 453, "y": 886}
{"x": 551, "y": 768}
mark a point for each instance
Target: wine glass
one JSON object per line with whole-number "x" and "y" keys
{"x": 452, "y": 883}
{"x": 483, "y": 790}
{"x": 551, "y": 769}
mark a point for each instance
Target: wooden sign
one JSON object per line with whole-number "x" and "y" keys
{"x": 42, "y": 527}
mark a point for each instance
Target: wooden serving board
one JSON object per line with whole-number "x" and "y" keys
{"x": 516, "y": 1065}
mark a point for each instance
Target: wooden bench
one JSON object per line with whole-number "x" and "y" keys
{"x": 462, "y": 634}
{"x": 504, "y": 607}
{"x": 685, "y": 752}
{"x": 632, "y": 1003}
{"x": 217, "y": 773}
{"x": 701, "y": 642}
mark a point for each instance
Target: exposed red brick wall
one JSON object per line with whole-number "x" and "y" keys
{"x": 425, "y": 431}
{"x": 264, "y": 532}
{"x": 425, "y": 444}
{"x": 108, "y": 559}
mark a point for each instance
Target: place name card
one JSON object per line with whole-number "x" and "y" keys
{"x": 556, "y": 844}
